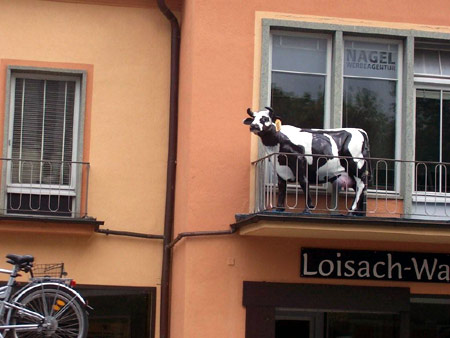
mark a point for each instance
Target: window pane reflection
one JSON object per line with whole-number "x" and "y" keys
{"x": 299, "y": 99}
{"x": 299, "y": 54}
{"x": 371, "y": 105}
{"x": 432, "y": 140}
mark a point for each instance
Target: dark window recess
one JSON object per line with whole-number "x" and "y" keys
{"x": 363, "y": 325}
{"x": 120, "y": 312}
{"x": 430, "y": 320}
{"x": 45, "y": 205}
{"x": 292, "y": 328}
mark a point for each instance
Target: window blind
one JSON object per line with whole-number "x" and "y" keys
{"x": 42, "y": 136}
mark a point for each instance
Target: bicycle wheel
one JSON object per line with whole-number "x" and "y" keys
{"x": 65, "y": 316}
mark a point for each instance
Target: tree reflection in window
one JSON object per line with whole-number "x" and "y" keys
{"x": 299, "y": 99}
{"x": 371, "y": 105}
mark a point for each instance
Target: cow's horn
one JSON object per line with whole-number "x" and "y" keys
{"x": 269, "y": 109}
{"x": 249, "y": 112}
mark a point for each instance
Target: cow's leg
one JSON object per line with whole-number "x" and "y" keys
{"x": 281, "y": 193}
{"x": 305, "y": 187}
{"x": 359, "y": 203}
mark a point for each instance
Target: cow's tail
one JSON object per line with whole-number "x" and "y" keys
{"x": 366, "y": 155}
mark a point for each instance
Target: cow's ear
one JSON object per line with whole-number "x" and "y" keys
{"x": 271, "y": 113}
{"x": 248, "y": 121}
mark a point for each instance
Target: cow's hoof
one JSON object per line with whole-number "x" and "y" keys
{"x": 279, "y": 209}
{"x": 306, "y": 212}
{"x": 356, "y": 213}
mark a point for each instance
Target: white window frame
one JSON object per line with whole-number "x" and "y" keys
{"x": 73, "y": 189}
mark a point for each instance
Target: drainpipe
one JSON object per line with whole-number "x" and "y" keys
{"x": 171, "y": 169}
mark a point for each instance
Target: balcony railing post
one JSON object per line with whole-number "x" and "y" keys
{"x": 408, "y": 188}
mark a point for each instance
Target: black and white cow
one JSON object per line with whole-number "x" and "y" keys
{"x": 352, "y": 143}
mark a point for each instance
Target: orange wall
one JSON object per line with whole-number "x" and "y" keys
{"x": 126, "y": 51}
{"x": 219, "y": 80}
{"x": 125, "y": 48}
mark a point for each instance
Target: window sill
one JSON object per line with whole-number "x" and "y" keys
{"x": 55, "y": 225}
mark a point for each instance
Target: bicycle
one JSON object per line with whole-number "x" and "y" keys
{"x": 45, "y": 307}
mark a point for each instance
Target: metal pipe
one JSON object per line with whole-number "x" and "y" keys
{"x": 171, "y": 168}
{"x": 128, "y": 233}
{"x": 200, "y": 233}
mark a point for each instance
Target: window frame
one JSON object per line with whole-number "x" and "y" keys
{"x": 337, "y": 29}
{"x": 75, "y": 188}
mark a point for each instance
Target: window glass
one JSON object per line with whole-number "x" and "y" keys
{"x": 426, "y": 62}
{"x": 299, "y": 99}
{"x": 299, "y": 54}
{"x": 432, "y": 62}
{"x": 119, "y": 312}
{"x": 362, "y": 325}
{"x": 445, "y": 63}
{"x": 371, "y": 72}
{"x": 371, "y": 105}
{"x": 428, "y": 105}
{"x": 430, "y": 320}
{"x": 370, "y": 59}
{"x": 432, "y": 139}
{"x": 299, "y": 74}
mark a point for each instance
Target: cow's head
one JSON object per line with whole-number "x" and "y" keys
{"x": 260, "y": 121}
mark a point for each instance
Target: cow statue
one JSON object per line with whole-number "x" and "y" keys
{"x": 350, "y": 169}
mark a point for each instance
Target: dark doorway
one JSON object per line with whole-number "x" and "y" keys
{"x": 286, "y": 328}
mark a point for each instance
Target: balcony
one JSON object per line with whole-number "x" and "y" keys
{"x": 405, "y": 200}
{"x": 44, "y": 188}
{"x": 405, "y": 189}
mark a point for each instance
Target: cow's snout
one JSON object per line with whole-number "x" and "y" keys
{"x": 254, "y": 128}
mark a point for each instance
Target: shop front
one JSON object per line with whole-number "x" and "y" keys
{"x": 330, "y": 305}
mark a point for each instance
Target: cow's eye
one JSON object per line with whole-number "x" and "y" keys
{"x": 264, "y": 119}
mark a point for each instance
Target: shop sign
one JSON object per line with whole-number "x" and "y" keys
{"x": 375, "y": 265}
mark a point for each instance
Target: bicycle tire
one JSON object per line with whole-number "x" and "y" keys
{"x": 63, "y": 311}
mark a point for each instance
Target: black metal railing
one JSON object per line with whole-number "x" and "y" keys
{"x": 395, "y": 188}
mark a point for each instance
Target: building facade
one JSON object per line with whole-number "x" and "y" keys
{"x": 85, "y": 98}
{"x": 319, "y": 64}
{"x": 84, "y": 105}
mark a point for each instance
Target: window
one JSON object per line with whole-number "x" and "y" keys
{"x": 42, "y": 172}
{"x": 370, "y": 98}
{"x": 432, "y": 120}
{"x": 430, "y": 317}
{"x": 432, "y": 139}
{"x": 284, "y": 310}
{"x": 120, "y": 312}
{"x": 300, "y": 78}
{"x": 327, "y": 75}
